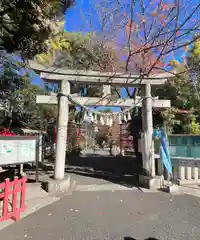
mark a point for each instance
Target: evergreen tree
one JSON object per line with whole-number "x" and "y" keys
{"x": 25, "y": 25}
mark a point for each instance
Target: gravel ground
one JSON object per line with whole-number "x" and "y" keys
{"x": 112, "y": 215}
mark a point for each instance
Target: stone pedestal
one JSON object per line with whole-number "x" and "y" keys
{"x": 57, "y": 186}
{"x": 156, "y": 182}
{"x": 172, "y": 189}
{"x": 186, "y": 182}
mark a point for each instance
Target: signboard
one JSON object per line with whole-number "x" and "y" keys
{"x": 18, "y": 149}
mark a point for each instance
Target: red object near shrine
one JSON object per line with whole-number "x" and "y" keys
{"x": 6, "y": 132}
{"x": 14, "y": 188}
{"x": 78, "y": 136}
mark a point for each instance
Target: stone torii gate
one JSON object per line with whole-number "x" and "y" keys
{"x": 63, "y": 77}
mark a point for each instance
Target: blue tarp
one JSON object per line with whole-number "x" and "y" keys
{"x": 164, "y": 149}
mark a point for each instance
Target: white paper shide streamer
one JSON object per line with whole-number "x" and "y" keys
{"x": 107, "y": 118}
{"x": 129, "y": 116}
{"x": 85, "y": 116}
{"x": 90, "y": 116}
{"x": 102, "y": 120}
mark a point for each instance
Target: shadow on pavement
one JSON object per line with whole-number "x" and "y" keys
{"x": 130, "y": 238}
{"x": 150, "y": 238}
{"x": 120, "y": 170}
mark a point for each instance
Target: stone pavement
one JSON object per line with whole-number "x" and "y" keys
{"x": 193, "y": 190}
{"x": 112, "y": 215}
{"x": 106, "y": 207}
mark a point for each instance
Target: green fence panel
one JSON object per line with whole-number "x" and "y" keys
{"x": 184, "y": 145}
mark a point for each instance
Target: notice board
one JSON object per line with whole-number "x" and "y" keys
{"x": 18, "y": 149}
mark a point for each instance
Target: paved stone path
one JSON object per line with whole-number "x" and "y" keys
{"x": 112, "y": 215}
{"x": 100, "y": 209}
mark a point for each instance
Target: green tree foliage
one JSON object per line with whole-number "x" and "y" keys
{"x": 78, "y": 51}
{"x": 18, "y": 98}
{"x": 106, "y": 110}
{"x": 179, "y": 90}
{"x": 25, "y": 25}
{"x": 193, "y": 58}
{"x": 195, "y": 126}
{"x": 10, "y": 79}
{"x": 193, "y": 62}
{"x": 183, "y": 91}
{"x": 29, "y": 113}
{"x": 82, "y": 52}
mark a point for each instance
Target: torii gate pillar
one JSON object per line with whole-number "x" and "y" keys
{"x": 147, "y": 123}
{"x": 62, "y": 123}
{"x": 148, "y": 177}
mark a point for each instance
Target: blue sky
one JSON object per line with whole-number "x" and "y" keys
{"x": 78, "y": 19}
{"x": 85, "y": 17}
